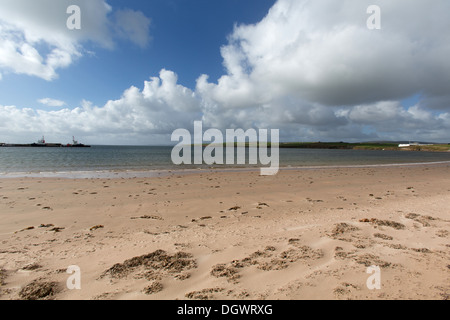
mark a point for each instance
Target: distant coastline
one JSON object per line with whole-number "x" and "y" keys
{"x": 286, "y": 145}
{"x": 383, "y": 146}
{"x": 368, "y": 146}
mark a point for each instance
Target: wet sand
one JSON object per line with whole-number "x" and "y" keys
{"x": 302, "y": 234}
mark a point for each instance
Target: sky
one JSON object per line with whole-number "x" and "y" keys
{"x": 135, "y": 71}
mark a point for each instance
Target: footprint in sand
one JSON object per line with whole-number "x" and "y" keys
{"x": 268, "y": 260}
{"x": 424, "y": 220}
{"x": 96, "y": 227}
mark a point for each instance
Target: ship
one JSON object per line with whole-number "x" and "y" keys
{"x": 76, "y": 144}
{"x": 40, "y": 144}
{"x": 43, "y": 144}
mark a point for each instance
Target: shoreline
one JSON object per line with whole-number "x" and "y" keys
{"x": 120, "y": 174}
{"x": 300, "y": 235}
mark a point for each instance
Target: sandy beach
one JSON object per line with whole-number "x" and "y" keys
{"x": 302, "y": 234}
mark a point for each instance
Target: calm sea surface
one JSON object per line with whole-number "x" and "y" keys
{"x": 109, "y": 160}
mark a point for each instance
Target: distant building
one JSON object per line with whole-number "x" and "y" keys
{"x": 413, "y": 144}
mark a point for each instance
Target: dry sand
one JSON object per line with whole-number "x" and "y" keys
{"x": 303, "y": 234}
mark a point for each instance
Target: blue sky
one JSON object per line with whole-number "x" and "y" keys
{"x": 186, "y": 36}
{"x": 138, "y": 70}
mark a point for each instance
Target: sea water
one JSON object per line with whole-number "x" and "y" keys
{"x": 103, "y": 161}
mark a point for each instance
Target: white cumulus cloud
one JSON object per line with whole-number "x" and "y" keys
{"x": 323, "y": 51}
{"x": 137, "y": 117}
{"x": 51, "y": 102}
{"x": 306, "y": 60}
{"x": 35, "y": 40}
